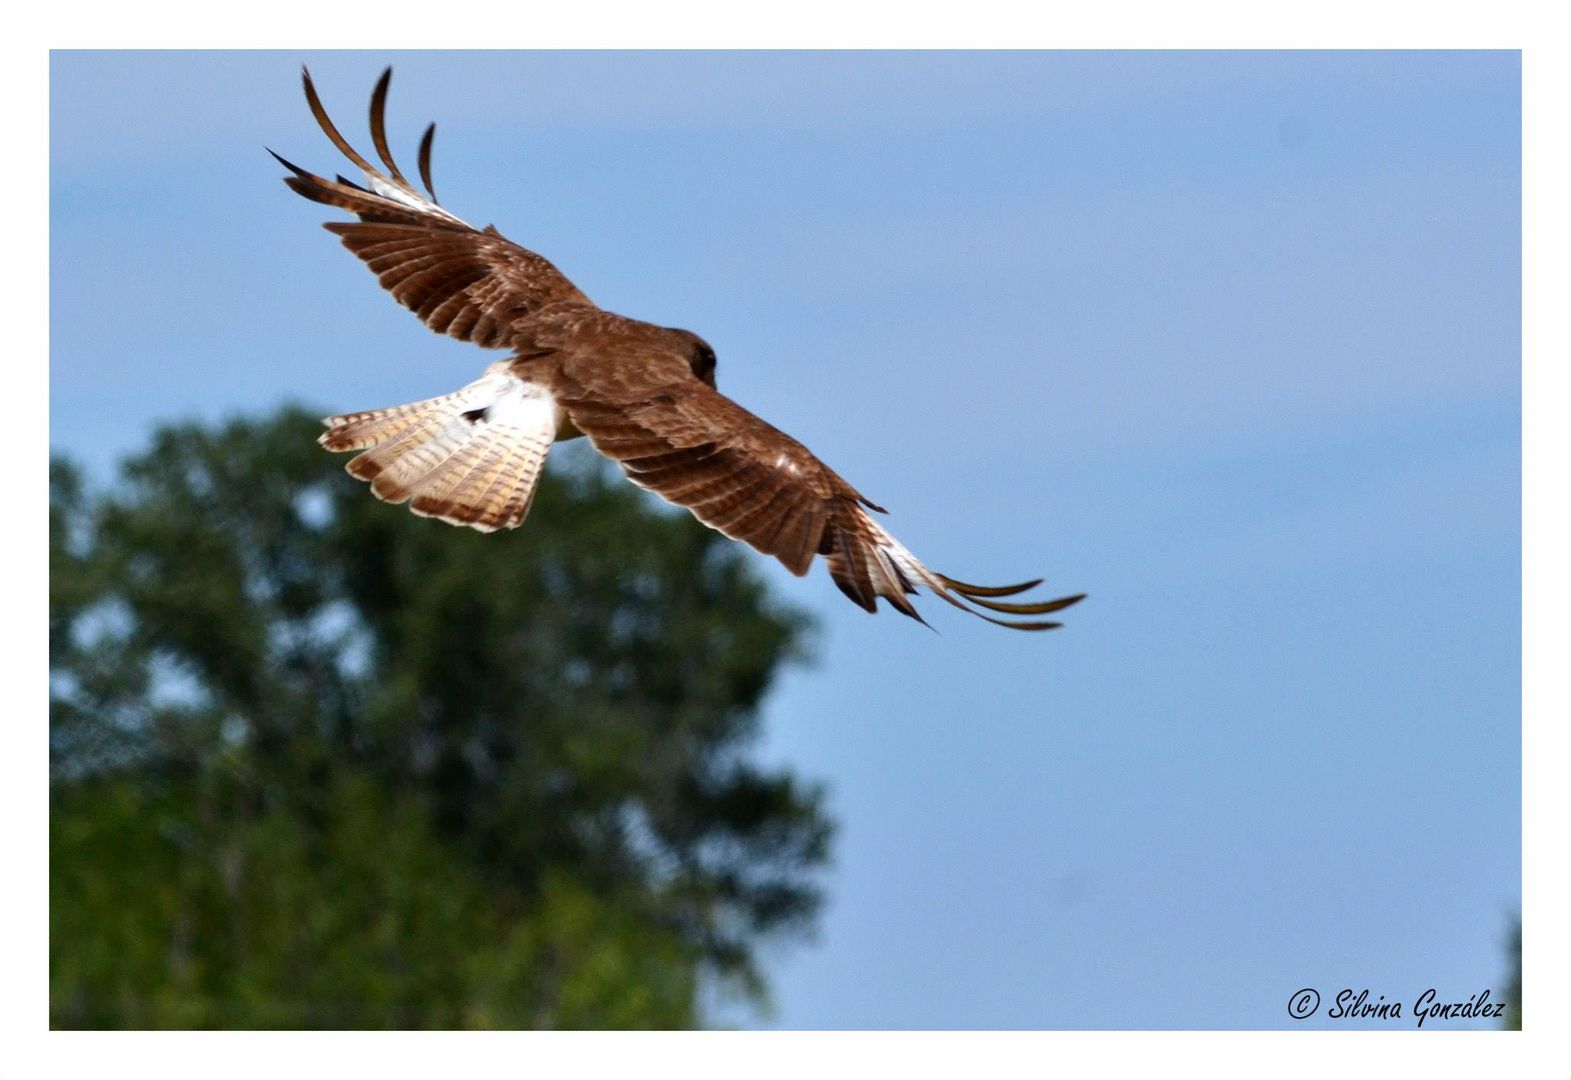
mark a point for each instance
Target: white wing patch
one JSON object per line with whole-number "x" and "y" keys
{"x": 469, "y": 458}
{"x": 391, "y": 189}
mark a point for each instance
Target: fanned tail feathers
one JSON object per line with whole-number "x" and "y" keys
{"x": 469, "y": 458}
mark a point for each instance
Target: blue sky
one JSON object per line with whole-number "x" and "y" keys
{"x": 1228, "y": 340}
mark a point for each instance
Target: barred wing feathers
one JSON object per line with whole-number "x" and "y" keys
{"x": 468, "y": 283}
{"x": 697, "y": 448}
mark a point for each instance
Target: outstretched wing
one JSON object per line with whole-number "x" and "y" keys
{"x": 695, "y": 447}
{"x": 469, "y": 283}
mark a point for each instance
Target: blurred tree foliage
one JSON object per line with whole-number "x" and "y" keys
{"x": 317, "y": 762}
{"x": 1513, "y": 991}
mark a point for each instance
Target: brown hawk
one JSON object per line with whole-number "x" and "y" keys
{"x": 643, "y": 394}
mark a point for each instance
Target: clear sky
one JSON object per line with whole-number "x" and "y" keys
{"x": 1229, "y": 341}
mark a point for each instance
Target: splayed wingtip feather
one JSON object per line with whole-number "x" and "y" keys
{"x": 379, "y": 125}
{"x": 425, "y": 161}
{"x": 968, "y": 589}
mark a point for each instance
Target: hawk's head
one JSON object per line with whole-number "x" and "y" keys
{"x": 700, "y": 356}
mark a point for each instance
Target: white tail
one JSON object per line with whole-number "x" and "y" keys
{"x": 468, "y": 458}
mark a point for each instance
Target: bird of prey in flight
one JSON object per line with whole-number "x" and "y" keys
{"x": 643, "y": 394}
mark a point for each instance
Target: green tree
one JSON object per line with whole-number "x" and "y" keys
{"x": 1513, "y": 991}
{"x": 316, "y": 762}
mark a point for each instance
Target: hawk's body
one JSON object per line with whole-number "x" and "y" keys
{"x": 643, "y": 394}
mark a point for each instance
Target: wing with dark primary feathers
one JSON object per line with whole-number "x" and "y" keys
{"x": 680, "y": 438}
{"x": 471, "y": 284}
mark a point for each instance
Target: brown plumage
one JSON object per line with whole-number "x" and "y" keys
{"x": 643, "y": 394}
